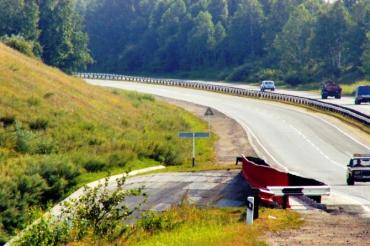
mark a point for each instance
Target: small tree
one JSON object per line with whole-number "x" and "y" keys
{"x": 102, "y": 212}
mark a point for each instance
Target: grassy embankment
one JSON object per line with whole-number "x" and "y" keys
{"x": 188, "y": 225}
{"x": 56, "y": 133}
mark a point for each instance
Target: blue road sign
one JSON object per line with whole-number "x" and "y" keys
{"x": 193, "y": 134}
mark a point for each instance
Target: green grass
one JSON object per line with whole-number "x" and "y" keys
{"x": 58, "y": 133}
{"x": 349, "y": 89}
{"x": 189, "y": 225}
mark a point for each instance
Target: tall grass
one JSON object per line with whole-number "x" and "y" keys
{"x": 189, "y": 225}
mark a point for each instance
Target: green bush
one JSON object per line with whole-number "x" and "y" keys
{"x": 94, "y": 165}
{"x": 7, "y": 120}
{"x": 101, "y": 211}
{"x": 154, "y": 222}
{"x": 43, "y": 146}
{"x": 59, "y": 174}
{"x": 45, "y": 231}
{"x": 33, "y": 101}
{"x": 23, "y": 138}
{"x": 39, "y": 124}
{"x": 18, "y": 42}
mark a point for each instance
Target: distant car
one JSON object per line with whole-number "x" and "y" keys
{"x": 358, "y": 169}
{"x": 362, "y": 94}
{"x": 331, "y": 89}
{"x": 267, "y": 85}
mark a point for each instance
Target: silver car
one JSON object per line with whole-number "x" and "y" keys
{"x": 267, "y": 85}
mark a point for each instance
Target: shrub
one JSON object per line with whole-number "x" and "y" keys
{"x": 153, "y": 222}
{"x": 19, "y": 43}
{"x": 59, "y": 174}
{"x": 94, "y": 165}
{"x": 43, "y": 147}
{"x": 7, "y": 120}
{"x": 102, "y": 211}
{"x": 23, "y": 137}
{"x": 39, "y": 124}
{"x": 33, "y": 101}
{"x": 45, "y": 231}
{"x": 293, "y": 79}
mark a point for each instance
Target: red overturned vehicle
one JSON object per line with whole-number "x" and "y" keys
{"x": 273, "y": 187}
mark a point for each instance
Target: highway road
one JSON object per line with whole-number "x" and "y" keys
{"x": 345, "y": 101}
{"x": 287, "y": 137}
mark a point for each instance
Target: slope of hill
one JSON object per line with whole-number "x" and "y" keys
{"x": 55, "y": 129}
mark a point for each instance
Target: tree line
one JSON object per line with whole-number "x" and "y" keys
{"x": 295, "y": 40}
{"x": 49, "y": 29}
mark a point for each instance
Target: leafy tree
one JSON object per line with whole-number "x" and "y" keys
{"x": 201, "y": 39}
{"x": 366, "y": 56}
{"x": 246, "y": 23}
{"x": 329, "y": 41}
{"x": 293, "y": 42}
{"x": 219, "y": 11}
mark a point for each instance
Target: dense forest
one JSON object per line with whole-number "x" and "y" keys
{"x": 48, "y": 29}
{"x": 292, "y": 40}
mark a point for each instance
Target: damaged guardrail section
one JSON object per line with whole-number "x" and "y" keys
{"x": 273, "y": 187}
{"x": 347, "y": 112}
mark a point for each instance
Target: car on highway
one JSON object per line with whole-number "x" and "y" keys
{"x": 331, "y": 89}
{"x": 267, "y": 85}
{"x": 362, "y": 94}
{"x": 358, "y": 169}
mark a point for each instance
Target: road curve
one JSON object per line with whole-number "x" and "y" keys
{"x": 345, "y": 101}
{"x": 291, "y": 139}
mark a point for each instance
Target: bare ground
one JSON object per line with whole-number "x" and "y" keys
{"x": 233, "y": 140}
{"x": 322, "y": 228}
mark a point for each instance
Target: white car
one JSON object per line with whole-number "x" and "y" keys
{"x": 267, "y": 85}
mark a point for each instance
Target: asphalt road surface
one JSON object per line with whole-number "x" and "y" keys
{"x": 209, "y": 188}
{"x": 289, "y": 138}
{"x": 345, "y": 101}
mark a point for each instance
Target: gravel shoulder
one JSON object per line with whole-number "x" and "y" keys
{"x": 322, "y": 228}
{"x": 233, "y": 140}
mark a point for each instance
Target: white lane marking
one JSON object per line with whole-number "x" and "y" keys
{"x": 327, "y": 122}
{"x": 316, "y": 147}
{"x": 343, "y": 132}
{"x": 250, "y": 132}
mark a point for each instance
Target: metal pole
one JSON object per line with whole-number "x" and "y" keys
{"x": 193, "y": 149}
{"x": 209, "y": 125}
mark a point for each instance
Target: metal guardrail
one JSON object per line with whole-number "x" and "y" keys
{"x": 208, "y": 86}
{"x": 300, "y": 190}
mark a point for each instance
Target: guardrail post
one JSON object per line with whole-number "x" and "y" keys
{"x": 285, "y": 201}
{"x": 257, "y": 200}
{"x": 250, "y": 210}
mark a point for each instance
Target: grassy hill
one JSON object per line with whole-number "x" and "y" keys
{"x": 57, "y": 132}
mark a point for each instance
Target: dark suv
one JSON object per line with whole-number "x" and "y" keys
{"x": 330, "y": 89}
{"x": 362, "y": 94}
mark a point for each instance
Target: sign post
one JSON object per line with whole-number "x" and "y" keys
{"x": 193, "y": 135}
{"x": 250, "y": 210}
{"x": 209, "y": 113}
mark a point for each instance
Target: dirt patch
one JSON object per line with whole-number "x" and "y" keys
{"x": 322, "y": 228}
{"x": 233, "y": 140}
